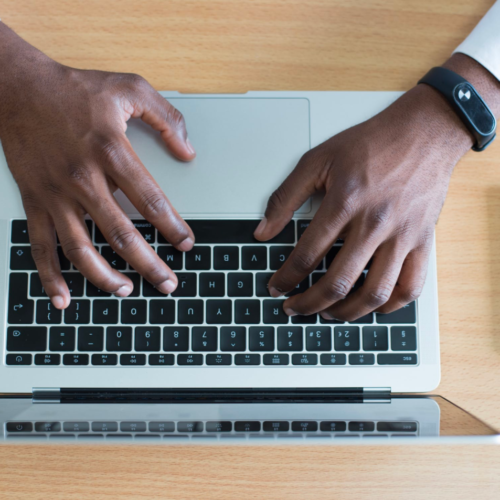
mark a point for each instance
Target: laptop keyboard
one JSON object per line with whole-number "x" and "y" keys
{"x": 221, "y": 314}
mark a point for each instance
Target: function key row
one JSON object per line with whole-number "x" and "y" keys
{"x": 210, "y": 339}
{"x": 332, "y": 359}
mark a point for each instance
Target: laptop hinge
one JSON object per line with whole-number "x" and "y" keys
{"x": 376, "y": 394}
{"x": 46, "y": 395}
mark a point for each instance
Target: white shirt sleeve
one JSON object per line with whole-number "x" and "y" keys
{"x": 483, "y": 44}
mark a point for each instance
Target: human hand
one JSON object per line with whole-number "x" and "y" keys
{"x": 63, "y": 134}
{"x": 385, "y": 181}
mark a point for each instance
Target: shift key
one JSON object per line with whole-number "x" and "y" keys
{"x": 27, "y": 338}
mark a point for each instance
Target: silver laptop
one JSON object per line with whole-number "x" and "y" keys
{"x": 103, "y": 344}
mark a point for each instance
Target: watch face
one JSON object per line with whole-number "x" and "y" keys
{"x": 474, "y": 108}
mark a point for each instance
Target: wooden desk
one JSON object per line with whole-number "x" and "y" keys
{"x": 235, "y": 46}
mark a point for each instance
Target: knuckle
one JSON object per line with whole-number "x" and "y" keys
{"x": 76, "y": 251}
{"x": 110, "y": 152}
{"x": 137, "y": 82}
{"x": 41, "y": 253}
{"x": 337, "y": 289}
{"x": 277, "y": 199}
{"x": 303, "y": 262}
{"x": 105, "y": 284}
{"x": 175, "y": 117}
{"x": 411, "y": 292}
{"x": 154, "y": 205}
{"x": 123, "y": 239}
{"x": 379, "y": 218}
{"x": 376, "y": 297}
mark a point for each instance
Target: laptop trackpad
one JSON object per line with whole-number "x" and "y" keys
{"x": 245, "y": 149}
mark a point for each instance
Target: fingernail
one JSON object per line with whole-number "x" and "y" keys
{"x": 124, "y": 290}
{"x": 186, "y": 245}
{"x": 58, "y": 301}
{"x": 168, "y": 286}
{"x": 190, "y": 147}
{"x": 274, "y": 292}
{"x": 326, "y": 316}
{"x": 289, "y": 311}
{"x": 260, "y": 228}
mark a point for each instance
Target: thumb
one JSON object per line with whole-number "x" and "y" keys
{"x": 289, "y": 197}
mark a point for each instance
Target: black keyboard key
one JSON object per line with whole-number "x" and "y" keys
{"x": 319, "y": 338}
{"x": 254, "y": 258}
{"x": 346, "y": 338}
{"x": 299, "y": 319}
{"x": 199, "y": 259}
{"x": 226, "y": 258}
{"x": 361, "y": 359}
{"x": 247, "y": 359}
{"x": 90, "y": 338}
{"x": 261, "y": 284}
{"x": 219, "y": 426}
{"x": 190, "y": 426}
{"x": 19, "y": 359}
{"x": 276, "y": 426}
{"x": 132, "y": 359}
{"x": 20, "y": 232}
{"x": 218, "y": 359}
{"x": 46, "y": 313}
{"x": 119, "y": 338}
{"x": 246, "y": 312}
{"x": 76, "y": 427}
{"x": 93, "y": 291}
{"x": 161, "y": 360}
{"x": 176, "y": 338}
{"x": 302, "y": 225}
{"x": 148, "y": 290}
{"x": 300, "y": 288}
{"x": 48, "y": 359}
{"x": 136, "y": 281}
{"x": 406, "y": 314}
{"x": 278, "y": 255}
{"x": 47, "y": 427}
{"x": 397, "y": 359}
{"x": 273, "y": 312}
{"x": 133, "y": 427}
{"x": 36, "y": 287}
{"x": 304, "y": 426}
{"x": 105, "y": 312}
{"x": 219, "y": 312}
{"x": 190, "y": 359}
{"x": 162, "y": 312}
{"x": 134, "y": 312}
{"x": 186, "y": 285}
{"x": 76, "y": 359}
{"x": 240, "y": 284}
{"x": 171, "y": 256}
{"x": 104, "y": 359}
{"x": 233, "y": 338}
{"x": 276, "y": 359}
{"x": 333, "y": 359}
{"x": 332, "y": 253}
{"x": 375, "y": 338}
{"x": 190, "y": 312}
{"x": 212, "y": 285}
{"x": 290, "y": 338}
{"x": 304, "y": 359}
{"x": 247, "y": 426}
{"x": 75, "y": 283}
{"x": 204, "y": 338}
{"x": 26, "y": 338}
{"x": 20, "y": 307}
{"x": 98, "y": 236}
{"x": 146, "y": 229}
{"x": 112, "y": 258}
{"x": 62, "y": 338}
{"x": 366, "y": 319}
{"x": 261, "y": 338}
{"x": 397, "y": 426}
{"x": 77, "y": 313}
{"x": 403, "y": 338}
{"x": 333, "y": 426}
{"x": 361, "y": 426}
{"x": 147, "y": 338}
{"x": 235, "y": 231}
{"x": 19, "y": 426}
{"x": 104, "y": 427}
{"x": 21, "y": 259}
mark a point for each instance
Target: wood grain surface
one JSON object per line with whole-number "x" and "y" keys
{"x": 235, "y": 46}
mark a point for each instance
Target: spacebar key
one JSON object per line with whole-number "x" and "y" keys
{"x": 235, "y": 231}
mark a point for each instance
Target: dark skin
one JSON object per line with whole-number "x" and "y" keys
{"x": 385, "y": 181}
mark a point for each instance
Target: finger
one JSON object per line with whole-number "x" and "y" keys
{"x": 44, "y": 251}
{"x": 289, "y": 197}
{"x": 311, "y": 248}
{"x": 130, "y": 175}
{"x": 127, "y": 242}
{"x": 377, "y": 287}
{"x": 78, "y": 248}
{"x": 338, "y": 280}
{"x": 157, "y": 112}
{"x": 411, "y": 280}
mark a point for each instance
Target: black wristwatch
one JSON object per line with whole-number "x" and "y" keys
{"x": 467, "y": 103}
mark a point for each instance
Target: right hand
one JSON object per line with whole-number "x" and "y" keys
{"x": 63, "y": 134}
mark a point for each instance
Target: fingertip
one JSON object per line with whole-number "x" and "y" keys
{"x": 124, "y": 290}
{"x": 259, "y": 230}
{"x": 275, "y": 292}
{"x": 186, "y": 245}
{"x": 60, "y": 302}
{"x": 168, "y": 286}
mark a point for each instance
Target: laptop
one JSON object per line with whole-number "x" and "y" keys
{"x": 84, "y": 353}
